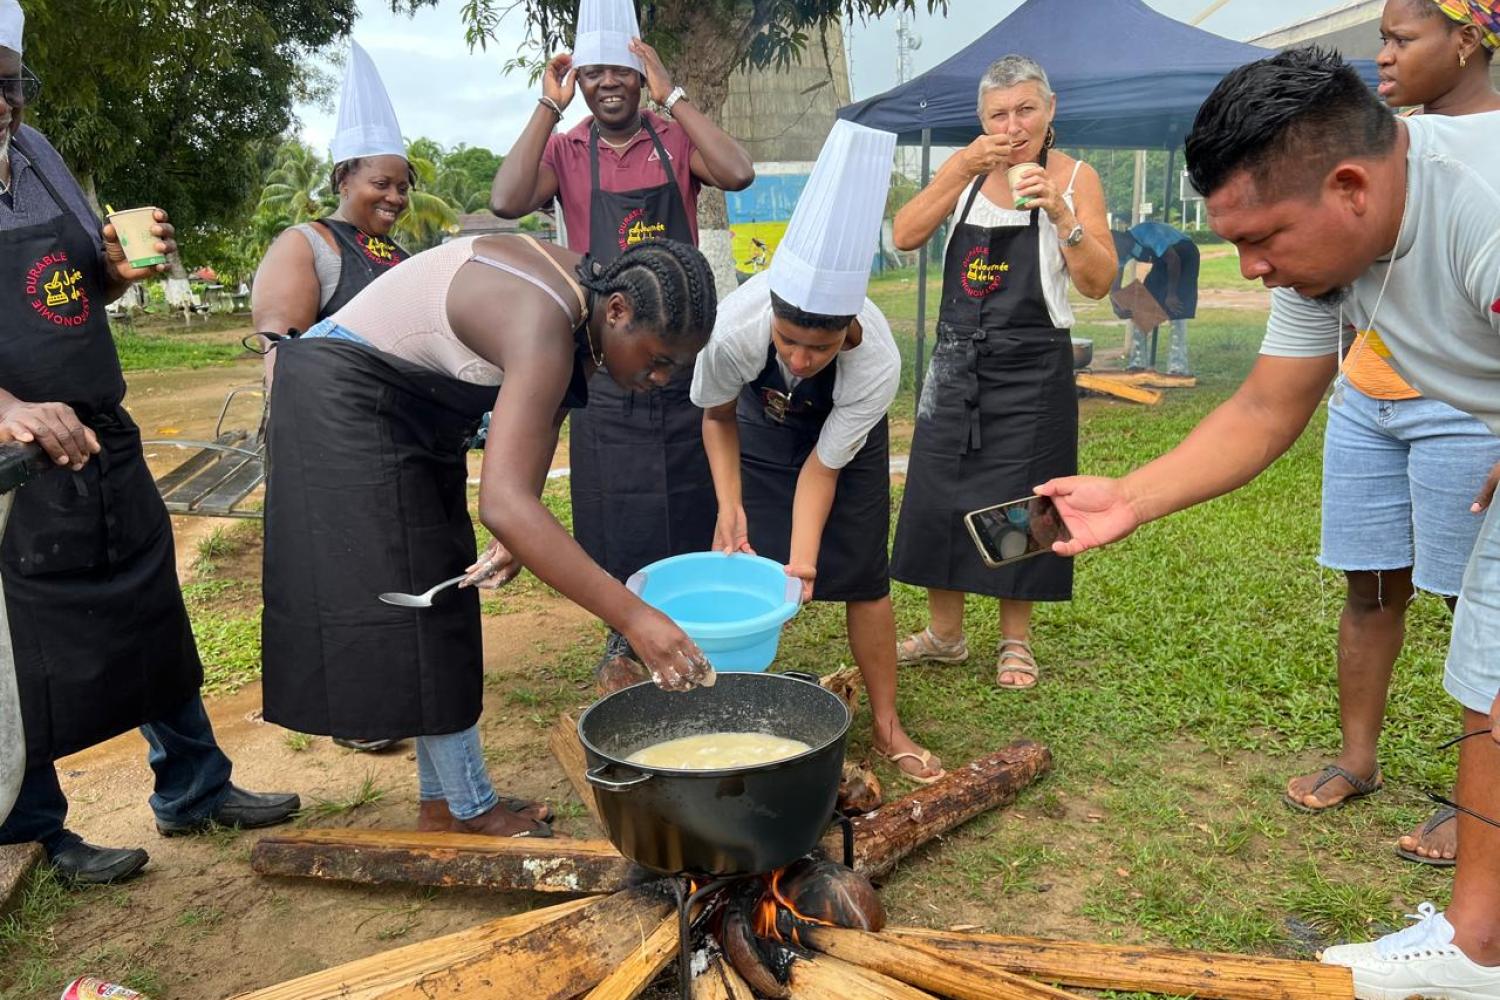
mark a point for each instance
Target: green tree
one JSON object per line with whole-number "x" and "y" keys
{"x": 296, "y": 190}
{"x": 429, "y": 215}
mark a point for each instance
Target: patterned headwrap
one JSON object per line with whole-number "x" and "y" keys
{"x": 1484, "y": 13}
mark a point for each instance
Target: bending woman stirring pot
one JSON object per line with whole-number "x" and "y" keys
{"x": 367, "y": 489}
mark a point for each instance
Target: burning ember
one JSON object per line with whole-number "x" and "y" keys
{"x": 758, "y": 928}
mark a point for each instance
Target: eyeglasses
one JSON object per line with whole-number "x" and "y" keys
{"x": 1444, "y": 800}
{"x": 19, "y": 91}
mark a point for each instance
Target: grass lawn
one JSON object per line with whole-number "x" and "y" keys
{"x": 1192, "y": 673}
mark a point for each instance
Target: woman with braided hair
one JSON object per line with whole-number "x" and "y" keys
{"x": 366, "y": 492}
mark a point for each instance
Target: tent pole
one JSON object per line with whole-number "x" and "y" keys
{"x": 922, "y": 267}
{"x": 1166, "y": 201}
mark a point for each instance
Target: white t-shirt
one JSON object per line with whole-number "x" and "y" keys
{"x": 1054, "y": 268}
{"x": 864, "y": 385}
{"x": 1441, "y": 313}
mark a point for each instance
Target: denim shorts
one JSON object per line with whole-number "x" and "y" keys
{"x": 1473, "y": 672}
{"x": 1399, "y": 477}
{"x": 328, "y": 328}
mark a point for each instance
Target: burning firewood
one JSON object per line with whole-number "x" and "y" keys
{"x": 859, "y": 789}
{"x": 743, "y": 946}
{"x": 822, "y": 892}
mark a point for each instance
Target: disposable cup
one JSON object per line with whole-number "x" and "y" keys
{"x": 133, "y": 227}
{"x": 1014, "y": 175}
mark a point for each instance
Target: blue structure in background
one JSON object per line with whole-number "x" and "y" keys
{"x": 770, "y": 199}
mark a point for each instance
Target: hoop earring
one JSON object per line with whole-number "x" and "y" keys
{"x": 1051, "y": 139}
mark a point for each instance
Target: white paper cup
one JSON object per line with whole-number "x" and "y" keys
{"x": 1014, "y": 175}
{"x": 133, "y": 229}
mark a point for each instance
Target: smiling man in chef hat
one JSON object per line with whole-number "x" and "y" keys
{"x": 795, "y": 384}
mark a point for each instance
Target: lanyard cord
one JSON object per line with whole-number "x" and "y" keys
{"x": 1385, "y": 283}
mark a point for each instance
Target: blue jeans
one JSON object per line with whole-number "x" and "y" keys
{"x": 192, "y": 778}
{"x": 451, "y": 766}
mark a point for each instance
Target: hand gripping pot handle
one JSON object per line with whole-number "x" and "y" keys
{"x": 596, "y": 778}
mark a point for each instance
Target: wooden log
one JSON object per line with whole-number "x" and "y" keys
{"x": 365, "y": 978}
{"x": 927, "y": 968}
{"x": 719, "y": 981}
{"x": 565, "y": 745}
{"x": 642, "y": 965}
{"x": 828, "y": 978}
{"x": 893, "y": 831}
{"x": 444, "y": 859}
{"x": 559, "y": 961}
{"x": 1206, "y": 975}
{"x": 1114, "y": 387}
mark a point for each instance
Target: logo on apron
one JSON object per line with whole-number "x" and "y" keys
{"x": 980, "y": 277}
{"x": 56, "y": 291}
{"x": 377, "y": 250}
{"x": 635, "y": 228}
{"x": 777, "y": 404}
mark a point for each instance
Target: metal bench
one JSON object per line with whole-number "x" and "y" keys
{"x": 217, "y": 477}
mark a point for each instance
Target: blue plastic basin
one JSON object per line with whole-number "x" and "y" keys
{"x": 733, "y": 607}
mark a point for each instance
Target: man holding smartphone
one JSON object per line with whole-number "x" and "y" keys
{"x": 1360, "y": 222}
{"x": 794, "y": 385}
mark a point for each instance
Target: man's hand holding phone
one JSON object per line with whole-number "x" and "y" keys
{"x": 1096, "y": 510}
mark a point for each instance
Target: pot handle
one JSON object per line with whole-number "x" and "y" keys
{"x": 803, "y": 675}
{"x": 596, "y": 778}
{"x": 636, "y": 583}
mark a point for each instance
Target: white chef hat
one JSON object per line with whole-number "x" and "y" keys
{"x": 604, "y": 31}
{"x": 823, "y": 262}
{"x": 12, "y": 20}
{"x": 367, "y": 123}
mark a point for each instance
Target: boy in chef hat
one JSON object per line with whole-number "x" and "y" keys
{"x": 795, "y": 384}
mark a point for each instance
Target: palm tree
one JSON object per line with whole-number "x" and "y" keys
{"x": 296, "y": 189}
{"x": 429, "y": 216}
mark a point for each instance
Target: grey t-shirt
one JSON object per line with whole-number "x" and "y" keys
{"x": 29, "y": 203}
{"x": 1440, "y": 316}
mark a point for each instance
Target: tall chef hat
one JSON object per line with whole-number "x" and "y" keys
{"x": 604, "y": 31}
{"x": 367, "y": 123}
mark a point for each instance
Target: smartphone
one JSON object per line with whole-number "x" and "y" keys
{"x": 1020, "y": 529}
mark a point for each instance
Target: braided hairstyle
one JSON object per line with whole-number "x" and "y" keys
{"x": 669, "y": 284}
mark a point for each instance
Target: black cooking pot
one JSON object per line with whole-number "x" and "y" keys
{"x": 732, "y": 821}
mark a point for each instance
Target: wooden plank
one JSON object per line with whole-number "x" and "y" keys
{"x": 890, "y": 833}
{"x": 554, "y": 962}
{"x": 1205, "y": 975}
{"x": 1148, "y": 379}
{"x": 827, "y": 978}
{"x": 927, "y": 968}
{"x": 366, "y": 978}
{"x": 1112, "y": 387}
{"x": 408, "y": 857}
{"x": 719, "y": 981}
{"x": 642, "y": 965}
{"x": 565, "y": 745}
{"x": 232, "y": 489}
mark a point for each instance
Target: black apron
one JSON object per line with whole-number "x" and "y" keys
{"x": 366, "y": 493}
{"x": 639, "y": 477}
{"x": 998, "y": 415}
{"x": 102, "y": 639}
{"x": 778, "y": 431}
{"x": 362, "y": 259}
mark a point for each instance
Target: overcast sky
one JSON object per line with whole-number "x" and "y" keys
{"x": 444, "y": 92}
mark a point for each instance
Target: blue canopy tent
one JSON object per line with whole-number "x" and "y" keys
{"x": 1126, "y": 77}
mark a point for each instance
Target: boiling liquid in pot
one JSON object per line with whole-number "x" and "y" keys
{"x": 710, "y": 751}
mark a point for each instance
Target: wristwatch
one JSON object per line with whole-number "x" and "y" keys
{"x": 1075, "y": 236}
{"x": 676, "y": 95}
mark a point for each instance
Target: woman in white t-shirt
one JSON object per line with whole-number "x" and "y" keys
{"x": 999, "y": 410}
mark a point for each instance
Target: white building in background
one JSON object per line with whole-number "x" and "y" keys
{"x": 1352, "y": 30}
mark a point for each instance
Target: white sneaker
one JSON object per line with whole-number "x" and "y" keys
{"x": 1420, "y": 961}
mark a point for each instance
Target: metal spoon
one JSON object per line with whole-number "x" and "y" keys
{"x": 420, "y": 600}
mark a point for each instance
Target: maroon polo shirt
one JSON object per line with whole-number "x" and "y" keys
{"x": 636, "y": 166}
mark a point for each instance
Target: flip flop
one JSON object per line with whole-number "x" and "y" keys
{"x": 1447, "y": 814}
{"x": 924, "y": 758}
{"x": 1362, "y": 787}
{"x": 516, "y": 805}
